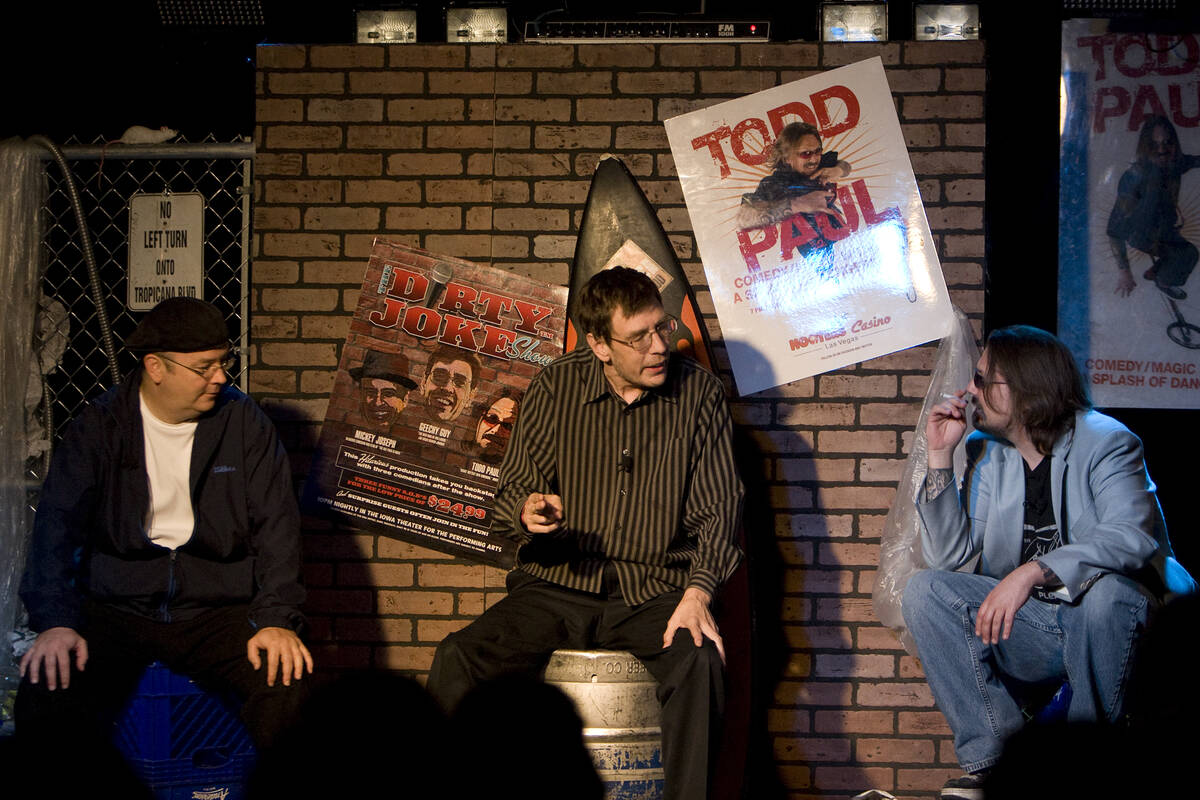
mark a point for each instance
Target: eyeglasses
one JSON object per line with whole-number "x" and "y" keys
{"x": 226, "y": 364}
{"x": 807, "y": 154}
{"x": 641, "y": 343}
{"x": 983, "y": 382}
{"x": 441, "y": 376}
{"x": 494, "y": 421}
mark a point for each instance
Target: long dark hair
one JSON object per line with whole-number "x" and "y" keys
{"x": 1045, "y": 385}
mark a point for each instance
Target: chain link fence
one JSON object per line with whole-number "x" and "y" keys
{"x": 74, "y": 363}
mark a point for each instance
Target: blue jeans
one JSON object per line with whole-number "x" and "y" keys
{"x": 1089, "y": 643}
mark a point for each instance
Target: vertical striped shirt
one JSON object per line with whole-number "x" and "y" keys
{"x": 649, "y": 486}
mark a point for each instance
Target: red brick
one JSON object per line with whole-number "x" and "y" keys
{"x": 373, "y": 629}
{"x": 969, "y": 52}
{"x": 477, "y": 137}
{"x": 818, "y": 526}
{"x": 851, "y": 779}
{"x": 346, "y": 56}
{"x": 894, "y": 751}
{"x": 779, "y": 55}
{"x": 620, "y": 55}
{"x": 341, "y": 218}
{"x": 416, "y": 602}
{"x": 855, "y": 665}
{"x": 375, "y": 574}
{"x": 811, "y": 749}
{"x": 836, "y": 55}
{"x": 612, "y": 109}
{"x": 739, "y": 81}
{"x": 407, "y": 218}
{"x": 278, "y": 110}
{"x": 304, "y": 137}
{"x": 922, "y": 135}
{"x": 426, "y": 56}
{"x": 787, "y": 720}
{"x": 416, "y": 110}
{"x": 512, "y": 109}
{"x": 530, "y": 219}
{"x": 923, "y": 723}
{"x": 859, "y": 387}
{"x": 574, "y": 84}
{"x": 382, "y": 191}
{"x": 671, "y": 82}
{"x": 339, "y": 601}
{"x": 845, "y": 609}
{"x": 535, "y": 55}
{"x": 407, "y": 657}
{"x": 394, "y": 548}
{"x": 478, "y": 246}
{"x": 355, "y": 164}
{"x": 815, "y": 414}
{"x": 816, "y": 581}
{"x": 451, "y": 575}
{"x": 299, "y": 245}
{"x": 924, "y": 779}
{"x": 384, "y": 137}
{"x": 324, "y": 109}
{"x": 848, "y": 721}
{"x": 434, "y": 630}
{"x": 814, "y": 693}
{"x": 839, "y": 441}
{"x": 306, "y": 83}
{"x": 389, "y": 82}
{"x": 277, "y": 56}
{"x": 424, "y": 164}
{"x": 895, "y": 694}
{"x": 572, "y": 137}
{"x": 479, "y": 82}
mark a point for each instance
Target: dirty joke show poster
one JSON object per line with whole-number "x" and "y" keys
{"x": 438, "y": 357}
{"x": 810, "y": 226}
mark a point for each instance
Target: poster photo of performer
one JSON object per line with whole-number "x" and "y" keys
{"x": 383, "y": 385}
{"x": 801, "y": 181}
{"x": 489, "y": 437}
{"x": 1146, "y": 214}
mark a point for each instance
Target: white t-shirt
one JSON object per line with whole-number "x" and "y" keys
{"x": 169, "y": 520}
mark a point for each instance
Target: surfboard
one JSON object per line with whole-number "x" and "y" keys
{"x": 620, "y": 227}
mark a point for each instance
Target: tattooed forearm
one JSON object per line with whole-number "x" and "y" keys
{"x": 936, "y": 480}
{"x": 1049, "y": 579}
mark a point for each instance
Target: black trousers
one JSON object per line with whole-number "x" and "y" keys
{"x": 519, "y": 633}
{"x": 210, "y": 649}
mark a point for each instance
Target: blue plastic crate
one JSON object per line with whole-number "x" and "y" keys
{"x": 184, "y": 742}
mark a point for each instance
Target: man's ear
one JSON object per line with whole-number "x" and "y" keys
{"x": 599, "y": 348}
{"x": 154, "y": 367}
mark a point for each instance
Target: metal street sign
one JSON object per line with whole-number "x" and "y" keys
{"x": 166, "y": 248}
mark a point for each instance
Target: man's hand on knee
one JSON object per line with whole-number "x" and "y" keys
{"x": 693, "y": 614}
{"x": 286, "y": 654}
{"x": 994, "y": 619}
{"x": 50, "y": 657}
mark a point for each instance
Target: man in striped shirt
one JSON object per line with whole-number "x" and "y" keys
{"x": 619, "y": 483}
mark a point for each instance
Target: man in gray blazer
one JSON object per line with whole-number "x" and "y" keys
{"x": 1063, "y": 540}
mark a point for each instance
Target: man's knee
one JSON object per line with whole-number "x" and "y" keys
{"x": 1115, "y": 600}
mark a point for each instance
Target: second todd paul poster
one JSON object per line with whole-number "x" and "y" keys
{"x": 817, "y": 251}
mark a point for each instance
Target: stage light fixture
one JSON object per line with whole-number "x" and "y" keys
{"x": 945, "y": 21}
{"x": 854, "y": 22}
{"x": 386, "y": 26}
{"x": 476, "y": 25}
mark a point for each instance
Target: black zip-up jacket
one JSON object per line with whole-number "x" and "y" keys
{"x": 90, "y": 538}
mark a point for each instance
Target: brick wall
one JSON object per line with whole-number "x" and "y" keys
{"x": 486, "y": 153}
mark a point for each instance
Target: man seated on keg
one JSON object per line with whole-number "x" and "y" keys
{"x": 167, "y": 530}
{"x": 1072, "y": 550}
{"x": 619, "y": 483}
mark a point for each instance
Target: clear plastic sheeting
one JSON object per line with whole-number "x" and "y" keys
{"x": 20, "y": 201}
{"x": 900, "y": 552}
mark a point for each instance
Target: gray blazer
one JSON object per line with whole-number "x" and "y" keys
{"x": 1112, "y": 523}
